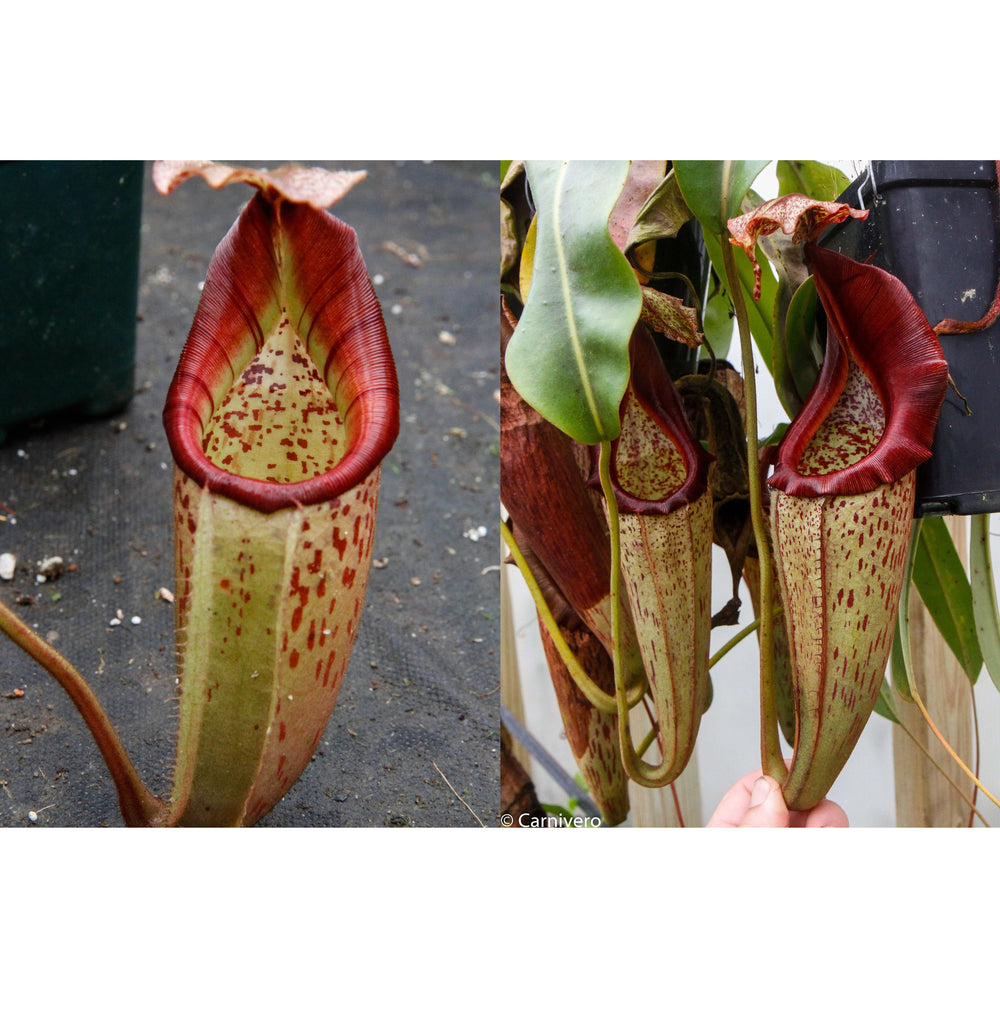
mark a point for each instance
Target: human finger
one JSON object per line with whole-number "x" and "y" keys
{"x": 766, "y": 806}
{"x": 734, "y": 804}
{"x": 826, "y": 814}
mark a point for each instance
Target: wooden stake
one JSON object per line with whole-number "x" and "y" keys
{"x": 923, "y": 797}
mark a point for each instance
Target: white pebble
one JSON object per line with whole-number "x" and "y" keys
{"x": 136, "y": 620}
{"x": 8, "y": 564}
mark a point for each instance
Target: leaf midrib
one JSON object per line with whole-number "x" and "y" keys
{"x": 564, "y": 282}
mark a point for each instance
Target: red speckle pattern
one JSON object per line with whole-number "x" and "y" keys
{"x": 287, "y": 611}
{"x": 850, "y": 432}
{"x": 648, "y": 465}
{"x": 279, "y": 402}
{"x": 666, "y": 565}
{"x": 840, "y": 563}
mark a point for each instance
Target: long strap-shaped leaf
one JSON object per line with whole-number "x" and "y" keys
{"x": 569, "y": 355}
{"x": 984, "y": 595}
{"x": 714, "y": 191}
{"x": 940, "y": 577}
{"x": 902, "y": 665}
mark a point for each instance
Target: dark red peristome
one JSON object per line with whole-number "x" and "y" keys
{"x": 655, "y": 391}
{"x": 286, "y": 258}
{"x": 874, "y": 320}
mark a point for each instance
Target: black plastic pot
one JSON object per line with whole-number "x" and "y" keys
{"x": 934, "y": 226}
{"x": 69, "y": 266}
{"x": 683, "y": 254}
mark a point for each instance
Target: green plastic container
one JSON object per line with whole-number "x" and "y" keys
{"x": 69, "y": 269}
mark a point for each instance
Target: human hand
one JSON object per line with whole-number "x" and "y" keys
{"x": 756, "y": 801}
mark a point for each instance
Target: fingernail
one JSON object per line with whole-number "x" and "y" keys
{"x": 758, "y": 794}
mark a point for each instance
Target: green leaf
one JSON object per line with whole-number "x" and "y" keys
{"x": 714, "y": 190}
{"x": 884, "y": 703}
{"x": 944, "y": 588}
{"x": 901, "y": 665}
{"x": 718, "y": 323}
{"x": 814, "y": 179}
{"x": 797, "y": 355}
{"x": 984, "y": 594}
{"x": 568, "y": 357}
{"x": 900, "y": 652}
{"x": 663, "y": 214}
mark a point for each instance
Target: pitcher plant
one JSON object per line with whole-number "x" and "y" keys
{"x": 599, "y": 314}
{"x": 283, "y": 404}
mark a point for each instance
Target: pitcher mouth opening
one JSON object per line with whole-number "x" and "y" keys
{"x": 278, "y": 328}
{"x": 872, "y": 413}
{"x": 657, "y": 465}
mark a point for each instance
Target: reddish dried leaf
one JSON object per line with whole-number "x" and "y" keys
{"x": 319, "y": 188}
{"x": 667, "y": 315}
{"x": 592, "y": 735}
{"x": 642, "y": 180}
{"x": 796, "y": 215}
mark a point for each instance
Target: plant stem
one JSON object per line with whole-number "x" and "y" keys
{"x": 140, "y": 808}
{"x": 737, "y": 639}
{"x": 770, "y": 744}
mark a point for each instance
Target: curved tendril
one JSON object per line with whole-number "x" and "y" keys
{"x": 604, "y": 702}
{"x": 649, "y": 739}
{"x": 737, "y": 639}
